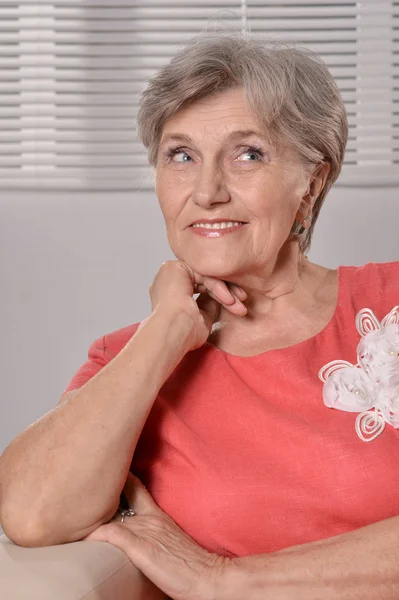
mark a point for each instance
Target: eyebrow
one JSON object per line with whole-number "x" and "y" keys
{"x": 239, "y": 134}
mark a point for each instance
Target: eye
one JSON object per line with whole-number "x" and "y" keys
{"x": 254, "y": 154}
{"x": 173, "y": 152}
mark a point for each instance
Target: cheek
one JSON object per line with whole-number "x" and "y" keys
{"x": 165, "y": 209}
{"x": 168, "y": 203}
{"x": 172, "y": 201}
{"x": 170, "y": 212}
{"x": 170, "y": 193}
{"x": 163, "y": 189}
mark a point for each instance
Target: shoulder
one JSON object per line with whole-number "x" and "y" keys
{"x": 379, "y": 271}
{"x": 373, "y": 285}
{"x": 116, "y": 340}
{"x": 373, "y": 273}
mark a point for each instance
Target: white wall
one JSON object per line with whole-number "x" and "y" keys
{"x": 76, "y": 266}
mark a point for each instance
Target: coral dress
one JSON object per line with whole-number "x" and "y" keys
{"x": 243, "y": 453}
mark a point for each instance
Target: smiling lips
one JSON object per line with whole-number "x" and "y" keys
{"x": 218, "y": 225}
{"x": 215, "y": 228}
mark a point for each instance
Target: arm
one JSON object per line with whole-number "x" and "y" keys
{"x": 62, "y": 476}
{"x": 362, "y": 564}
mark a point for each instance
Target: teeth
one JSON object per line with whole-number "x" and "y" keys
{"x": 218, "y": 225}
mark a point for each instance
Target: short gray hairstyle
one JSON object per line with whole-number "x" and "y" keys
{"x": 289, "y": 89}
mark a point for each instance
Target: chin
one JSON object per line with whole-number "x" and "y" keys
{"x": 217, "y": 267}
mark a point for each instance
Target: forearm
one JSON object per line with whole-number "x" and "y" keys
{"x": 63, "y": 475}
{"x": 362, "y": 564}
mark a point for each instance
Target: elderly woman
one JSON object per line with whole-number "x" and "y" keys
{"x": 256, "y": 457}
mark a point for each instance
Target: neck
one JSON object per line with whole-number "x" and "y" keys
{"x": 293, "y": 301}
{"x": 276, "y": 287}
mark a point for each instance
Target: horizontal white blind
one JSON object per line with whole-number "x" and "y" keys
{"x": 359, "y": 41}
{"x": 71, "y": 72}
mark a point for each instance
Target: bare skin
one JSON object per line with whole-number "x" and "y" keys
{"x": 244, "y": 338}
{"x": 214, "y": 172}
{"x": 42, "y": 504}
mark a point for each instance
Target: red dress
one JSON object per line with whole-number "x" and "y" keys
{"x": 243, "y": 453}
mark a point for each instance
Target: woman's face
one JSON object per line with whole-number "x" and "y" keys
{"x": 214, "y": 164}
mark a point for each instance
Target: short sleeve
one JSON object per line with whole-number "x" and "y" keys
{"x": 96, "y": 360}
{"x": 100, "y": 353}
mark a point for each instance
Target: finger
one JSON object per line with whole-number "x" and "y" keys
{"x": 210, "y": 309}
{"x": 238, "y": 291}
{"x": 238, "y": 308}
{"x": 112, "y": 533}
{"x": 218, "y": 288}
{"x": 201, "y": 289}
{"x": 98, "y": 535}
{"x": 138, "y": 497}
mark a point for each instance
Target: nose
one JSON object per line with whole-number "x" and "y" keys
{"x": 209, "y": 187}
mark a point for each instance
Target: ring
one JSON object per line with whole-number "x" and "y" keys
{"x": 126, "y": 513}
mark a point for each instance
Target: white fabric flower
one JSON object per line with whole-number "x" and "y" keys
{"x": 349, "y": 389}
{"x": 388, "y": 402}
{"x": 378, "y": 355}
{"x": 370, "y": 387}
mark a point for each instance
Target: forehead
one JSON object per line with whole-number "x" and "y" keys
{"x": 213, "y": 116}
{"x": 220, "y": 118}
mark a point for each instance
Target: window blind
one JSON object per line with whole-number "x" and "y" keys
{"x": 71, "y": 72}
{"x": 359, "y": 41}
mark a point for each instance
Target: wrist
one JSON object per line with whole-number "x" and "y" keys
{"x": 157, "y": 347}
{"x": 226, "y": 580}
{"x": 237, "y": 581}
{"x": 176, "y": 326}
{"x": 173, "y": 330}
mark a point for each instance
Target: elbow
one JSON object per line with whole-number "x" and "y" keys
{"x": 23, "y": 532}
{"x": 36, "y": 535}
{"x": 30, "y": 531}
{"x": 16, "y": 521}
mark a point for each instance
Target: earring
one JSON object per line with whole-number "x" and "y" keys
{"x": 299, "y": 228}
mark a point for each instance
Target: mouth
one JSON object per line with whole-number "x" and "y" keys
{"x": 216, "y": 224}
{"x": 216, "y": 229}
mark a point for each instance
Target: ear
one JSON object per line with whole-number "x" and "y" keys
{"x": 317, "y": 181}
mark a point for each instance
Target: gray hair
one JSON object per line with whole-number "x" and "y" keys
{"x": 289, "y": 89}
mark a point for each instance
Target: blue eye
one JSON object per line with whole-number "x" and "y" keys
{"x": 175, "y": 152}
{"x": 256, "y": 153}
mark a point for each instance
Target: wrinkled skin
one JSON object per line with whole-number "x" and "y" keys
{"x": 157, "y": 546}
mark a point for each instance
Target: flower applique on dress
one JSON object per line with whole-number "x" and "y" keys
{"x": 371, "y": 387}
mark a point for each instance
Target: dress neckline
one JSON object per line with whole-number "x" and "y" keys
{"x": 299, "y": 345}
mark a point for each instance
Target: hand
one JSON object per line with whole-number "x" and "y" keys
{"x": 157, "y": 546}
{"x": 172, "y": 293}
